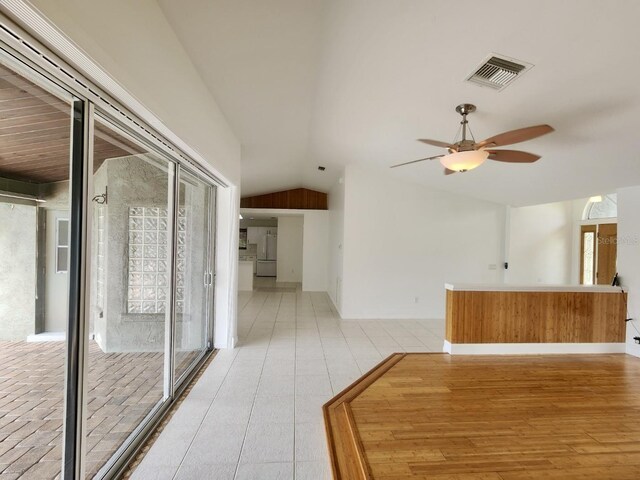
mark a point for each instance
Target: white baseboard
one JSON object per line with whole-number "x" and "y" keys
{"x": 531, "y": 348}
{"x": 333, "y": 303}
{"x": 231, "y": 343}
{"x": 633, "y": 349}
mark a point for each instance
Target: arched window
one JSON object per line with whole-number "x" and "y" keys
{"x": 606, "y": 207}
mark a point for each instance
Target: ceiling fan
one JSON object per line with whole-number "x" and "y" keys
{"x": 467, "y": 154}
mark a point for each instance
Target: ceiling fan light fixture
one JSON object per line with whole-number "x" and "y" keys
{"x": 467, "y": 154}
{"x": 463, "y": 161}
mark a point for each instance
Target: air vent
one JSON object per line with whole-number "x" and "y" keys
{"x": 497, "y": 72}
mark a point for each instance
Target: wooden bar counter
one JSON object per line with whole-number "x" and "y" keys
{"x": 535, "y": 319}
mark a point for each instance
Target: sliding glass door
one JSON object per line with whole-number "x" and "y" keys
{"x": 150, "y": 288}
{"x": 194, "y": 280}
{"x": 106, "y": 292}
{"x": 130, "y": 312}
{"x": 36, "y": 178}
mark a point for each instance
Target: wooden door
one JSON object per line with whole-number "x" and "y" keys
{"x": 588, "y": 254}
{"x": 607, "y": 253}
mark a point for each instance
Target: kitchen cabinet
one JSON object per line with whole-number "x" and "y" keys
{"x": 249, "y": 258}
{"x": 254, "y": 233}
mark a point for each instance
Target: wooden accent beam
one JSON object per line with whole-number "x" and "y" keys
{"x": 299, "y": 199}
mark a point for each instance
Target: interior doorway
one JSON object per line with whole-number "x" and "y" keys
{"x": 598, "y": 253}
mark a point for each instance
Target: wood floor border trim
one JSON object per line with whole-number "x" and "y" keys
{"x": 331, "y": 409}
{"x": 353, "y": 390}
{"x": 357, "y": 442}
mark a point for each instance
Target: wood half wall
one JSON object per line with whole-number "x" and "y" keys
{"x": 535, "y": 317}
{"x": 298, "y": 198}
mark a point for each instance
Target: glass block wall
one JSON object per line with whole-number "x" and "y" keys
{"x": 148, "y": 279}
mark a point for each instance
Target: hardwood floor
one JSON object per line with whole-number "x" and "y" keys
{"x": 443, "y": 417}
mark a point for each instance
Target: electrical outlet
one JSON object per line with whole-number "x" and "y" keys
{"x": 416, "y": 299}
{"x": 493, "y": 266}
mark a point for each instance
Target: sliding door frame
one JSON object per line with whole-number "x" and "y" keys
{"x": 209, "y": 276}
{"x": 74, "y": 420}
{"x": 213, "y": 218}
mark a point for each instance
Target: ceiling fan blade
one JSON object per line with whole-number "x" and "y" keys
{"x": 449, "y": 172}
{"x": 415, "y": 161}
{"x": 512, "y": 156}
{"x": 436, "y": 143}
{"x": 515, "y": 136}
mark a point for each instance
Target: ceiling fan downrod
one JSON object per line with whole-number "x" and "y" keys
{"x": 464, "y": 109}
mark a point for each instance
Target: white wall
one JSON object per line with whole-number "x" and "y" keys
{"x": 225, "y": 333}
{"x": 541, "y": 244}
{"x": 18, "y": 281}
{"x": 336, "y": 243}
{"x": 315, "y": 251}
{"x": 290, "y": 249}
{"x": 133, "y": 42}
{"x": 403, "y": 242}
{"x": 629, "y": 258}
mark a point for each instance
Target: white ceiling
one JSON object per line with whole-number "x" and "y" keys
{"x": 309, "y": 82}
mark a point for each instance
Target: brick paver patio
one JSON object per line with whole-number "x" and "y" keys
{"x": 123, "y": 388}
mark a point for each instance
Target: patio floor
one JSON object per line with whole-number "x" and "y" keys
{"x": 123, "y": 388}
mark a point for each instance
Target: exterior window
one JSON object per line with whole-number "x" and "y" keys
{"x": 606, "y": 207}
{"x": 62, "y": 245}
{"x": 588, "y": 257}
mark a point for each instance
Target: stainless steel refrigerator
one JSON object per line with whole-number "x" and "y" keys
{"x": 267, "y": 256}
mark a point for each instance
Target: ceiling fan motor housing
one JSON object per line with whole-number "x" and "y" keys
{"x": 465, "y": 146}
{"x": 465, "y": 108}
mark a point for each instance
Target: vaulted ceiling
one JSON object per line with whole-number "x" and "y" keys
{"x": 330, "y": 82}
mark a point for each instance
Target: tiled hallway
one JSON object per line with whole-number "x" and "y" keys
{"x": 256, "y": 411}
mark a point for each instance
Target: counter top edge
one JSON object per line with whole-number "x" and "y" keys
{"x": 476, "y": 287}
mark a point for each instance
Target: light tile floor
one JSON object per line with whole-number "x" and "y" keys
{"x": 256, "y": 411}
